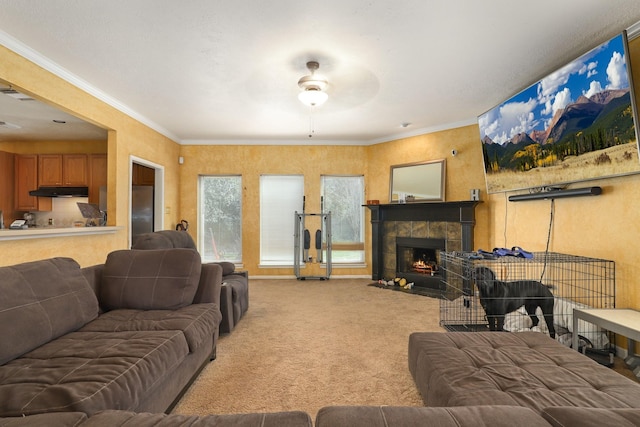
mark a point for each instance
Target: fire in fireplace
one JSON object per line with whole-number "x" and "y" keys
{"x": 417, "y": 260}
{"x": 424, "y": 262}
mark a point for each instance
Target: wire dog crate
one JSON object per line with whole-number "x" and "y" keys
{"x": 574, "y": 282}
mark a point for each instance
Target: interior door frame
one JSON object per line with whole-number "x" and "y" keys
{"x": 158, "y": 192}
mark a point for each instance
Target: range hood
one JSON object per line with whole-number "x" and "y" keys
{"x": 60, "y": 192}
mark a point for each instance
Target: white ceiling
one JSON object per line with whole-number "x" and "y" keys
{"x": 222, "y": 71}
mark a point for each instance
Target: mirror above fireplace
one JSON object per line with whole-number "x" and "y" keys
{"x": 417, "y": 182}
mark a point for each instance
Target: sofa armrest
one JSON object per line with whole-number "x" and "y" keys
{"x": 226, "y": 307}
{"x": 209, "y": 285}
{"x": 227, "y": 267}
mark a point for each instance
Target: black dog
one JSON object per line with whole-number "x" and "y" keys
{"x": 499, "y": 298}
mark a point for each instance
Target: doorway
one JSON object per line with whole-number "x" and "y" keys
{"x": 146, "y": 200}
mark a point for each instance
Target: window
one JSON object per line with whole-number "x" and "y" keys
{"x": 220, "y": 232}
{"x": 280, "y": 197}
{"x": 344, "y": 197}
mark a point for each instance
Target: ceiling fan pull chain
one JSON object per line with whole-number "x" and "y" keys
{"x": 312, "y": 129}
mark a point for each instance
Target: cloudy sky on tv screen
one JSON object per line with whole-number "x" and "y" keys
{"x": 533, "y": 109}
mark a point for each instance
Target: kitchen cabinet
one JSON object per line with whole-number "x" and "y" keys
{"x": 75, "y": 170}
{"x": 26, "y": 179}
{"x": 68, "y": 170}
{"x": 97, "y": 176}
{"x": 49, "y": 170}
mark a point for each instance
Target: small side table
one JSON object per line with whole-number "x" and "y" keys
{"x": 623, "y": 321}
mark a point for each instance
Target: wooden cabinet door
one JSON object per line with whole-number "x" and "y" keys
{"x": 7, "y": 186}
{"x": 70, "y": 170}
{"x": 50, "y": 170}
{"x": 26, "y": 167}
{"x": 26, "y": 179}
{"x": 97, "y": 176}
{"x": 75, "y": 170}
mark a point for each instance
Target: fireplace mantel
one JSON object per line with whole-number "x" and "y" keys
{"x": 462, "y": 212}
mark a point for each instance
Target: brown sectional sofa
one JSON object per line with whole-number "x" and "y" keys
{"x": 398, "y": 416}
{"x": 130, "y": 334}
{"x": 125, "y": 418}
{"x": 234, "y": 294}
{"x": 117, "y": 344}
{"x": 350, "y": 416}
{"x": 591, "y": 417}
{"x": 472, "y": 416}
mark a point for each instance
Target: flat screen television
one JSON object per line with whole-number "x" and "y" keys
{"x": 576, "y": 124}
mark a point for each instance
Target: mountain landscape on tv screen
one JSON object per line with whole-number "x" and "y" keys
{"x": 603, "y": 120}
{"x": 575, "y": 124}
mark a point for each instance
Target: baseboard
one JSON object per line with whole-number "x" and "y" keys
{"x": 621, "y": 352}
{"x": 632, "y": 362}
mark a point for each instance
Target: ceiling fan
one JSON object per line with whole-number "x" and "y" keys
{"x": 313, "y": 87}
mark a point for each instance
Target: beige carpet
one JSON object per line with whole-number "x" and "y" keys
{"x": 307, "y": 344}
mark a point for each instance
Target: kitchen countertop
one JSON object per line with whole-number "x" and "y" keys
{"x": 44, "y": 232}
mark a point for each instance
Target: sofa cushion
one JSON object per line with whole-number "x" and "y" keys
{"x": 399, "y": 416}
{"x": 274, "y": 419}
{"x": 41, "y": 301}
{"x": 89, "y": 372}
{"x": 524, "y": 369}
{"x": 58, "y": 419}
{"x": 591, "y": 417}
{"x": 150, "y": 279}
{"x": 197, "y": 321}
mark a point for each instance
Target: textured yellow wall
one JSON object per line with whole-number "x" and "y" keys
{"x": 126, "y": 137}
{"x": 603, "y": 227}
{"x": 464, "y": 171}
{"x": 253, "y": 160}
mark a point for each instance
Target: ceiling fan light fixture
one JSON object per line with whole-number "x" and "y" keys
{"x": 312, "y": 82}
{"x": 312, "y": 97}
{"x": 313, "y": 87}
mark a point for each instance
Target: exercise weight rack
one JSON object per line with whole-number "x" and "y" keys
{"x": 302, "y": 241}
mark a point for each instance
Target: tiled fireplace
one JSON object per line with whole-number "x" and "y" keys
{"x": 403, "y": 234}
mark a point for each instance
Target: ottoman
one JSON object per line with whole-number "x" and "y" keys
{"x": 520, "y": 369}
